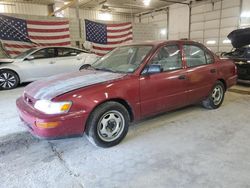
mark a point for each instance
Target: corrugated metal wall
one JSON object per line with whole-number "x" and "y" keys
{"x": 213, "y": 22}
{"x": 24, "y": 8}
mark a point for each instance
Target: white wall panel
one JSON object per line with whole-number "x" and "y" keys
{"x": 212, "y": 15}
{"x": 218, "y": 21}
{"x": 25, "y": 8}
{"x": 230, "y": 3}
{"x": 178, "y": 21}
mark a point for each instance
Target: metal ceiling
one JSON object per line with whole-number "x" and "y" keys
{"x": 125, "y": 6}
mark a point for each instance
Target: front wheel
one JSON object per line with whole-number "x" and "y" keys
{"x": 108, "y": 124}
{"x": 216, "y": 97}
{"x": 8, "y": 79}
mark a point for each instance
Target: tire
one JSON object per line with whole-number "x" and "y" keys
{"x": 108, "y": 124}
{"x": 216, "y": 97}
{"x": 8, "y": 79}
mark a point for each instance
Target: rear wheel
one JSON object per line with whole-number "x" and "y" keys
{"x": 8, "y": 79}
{"x": 108, "y": 124}
{"x": 216, "y": 97}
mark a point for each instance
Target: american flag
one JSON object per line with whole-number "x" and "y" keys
{"x": 18, "y": 35}
{"x": 105, "y": 37}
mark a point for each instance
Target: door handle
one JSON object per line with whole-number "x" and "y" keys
{"x": 213, "y": 70}
{"x": 52, "y": 62}
{"x": 182, "y": 77}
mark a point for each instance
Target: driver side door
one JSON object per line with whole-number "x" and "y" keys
{"x": 42, "y": 64}
{"x": 165, "y": 90}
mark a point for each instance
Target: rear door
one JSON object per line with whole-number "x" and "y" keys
{"x": 166, "y": 90}
{"x": 201, "y": 71}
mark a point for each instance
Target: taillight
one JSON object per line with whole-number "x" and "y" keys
{"x": 235, "y": 69}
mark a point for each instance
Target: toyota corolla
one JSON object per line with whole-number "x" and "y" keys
{"x": 129, "y": 83}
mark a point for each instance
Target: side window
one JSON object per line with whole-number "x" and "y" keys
{"x": 194, "y": 55}
{"x": 44, "y": 53}
{"x": 169, "y": 57}
{"x": 65, "y": 52}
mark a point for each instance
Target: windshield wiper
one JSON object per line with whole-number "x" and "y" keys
{"x": 104, "y": 69}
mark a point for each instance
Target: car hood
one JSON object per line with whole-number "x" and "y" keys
{"x": 239, "y": 37}
{"x": 6, "y": 60}
{"x": 51, "y": 87}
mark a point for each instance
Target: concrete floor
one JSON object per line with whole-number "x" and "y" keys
{"x": 191, "y": 147}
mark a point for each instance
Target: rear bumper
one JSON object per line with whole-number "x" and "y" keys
{"x": 243, "y": 81}
{"x": 232, "y": 81}
{"x": 68, "y": 124}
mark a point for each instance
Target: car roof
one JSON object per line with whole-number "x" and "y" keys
{"x": 161, "y": 42}
{"x": 38, "y": 48}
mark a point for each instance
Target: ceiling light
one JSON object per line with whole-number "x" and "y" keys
{"x": 226, "y": 41}
{"x": 66, "y": 3}
{"x": 163, "y": 31}
{"x": 105, "y": 16}
{"x": 245, "y": 14}
{"x": 211, "y": 42}
{"x": 146, "y": 2}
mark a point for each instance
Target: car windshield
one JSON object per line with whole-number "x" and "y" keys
{"x": 24, "y": 54}
{"x": 124, "y": 59}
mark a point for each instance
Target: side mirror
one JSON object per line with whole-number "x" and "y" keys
{"x": 152, "y": 69}
{"x": 31, "y": 57}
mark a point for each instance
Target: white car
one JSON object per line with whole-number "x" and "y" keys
{"x": 38, "y": 63}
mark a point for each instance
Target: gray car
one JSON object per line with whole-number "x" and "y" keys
{"x": 38, "y": 63}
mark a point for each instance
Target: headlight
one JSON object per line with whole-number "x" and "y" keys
{"x": 49, "y": 107}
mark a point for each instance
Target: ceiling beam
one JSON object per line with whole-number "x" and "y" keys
{"x": 63, "y": 7}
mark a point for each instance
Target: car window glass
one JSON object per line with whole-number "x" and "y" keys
{"x": 169, "y": 57}
{"x": 44, "y": 53}
{"x": 123, "y": 59}
{"x": 64, "y": 52}
{"x": 209, "y": 58}
{"x": 194, "y": 55}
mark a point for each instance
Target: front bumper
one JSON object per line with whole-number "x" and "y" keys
{"x": 70, "y": 124}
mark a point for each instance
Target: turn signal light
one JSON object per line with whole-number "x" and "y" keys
{"x": 47, "y": 125}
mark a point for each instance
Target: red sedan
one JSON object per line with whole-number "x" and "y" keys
{"x": 130, "y": 83}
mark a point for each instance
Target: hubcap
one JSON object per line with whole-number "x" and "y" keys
{"x": 7, "y": 80}
{"x": 217, "y": 94}
{"x": 110, "y": 126}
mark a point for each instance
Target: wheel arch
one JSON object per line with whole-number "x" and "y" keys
{"x": 118, "y": 100}
{"x": 223, "y": 82}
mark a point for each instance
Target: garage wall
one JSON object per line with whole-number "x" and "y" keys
{"x": 155, "y": 24}
{"x": 212, "y": 22}
{"x": 245, "y": 14}
{"x": 178, "y": 21}
{"x": 24, "y": 8}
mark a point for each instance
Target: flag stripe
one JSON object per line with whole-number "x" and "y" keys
{"x": 47, "y": 30}
{"x": 45, "y": 27}
{"x": 36, "y": 22}
{"x": 119, "y": 36}
{"x": 18, "y": 45}
{"x": 49, "y": 37}
{"x": 120, "y": 40}
{"x": 103, "y": 48}
{"x": 119, "y": 30}
{"x": 47, "y": 34}
{"x": 119, "y": 24}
